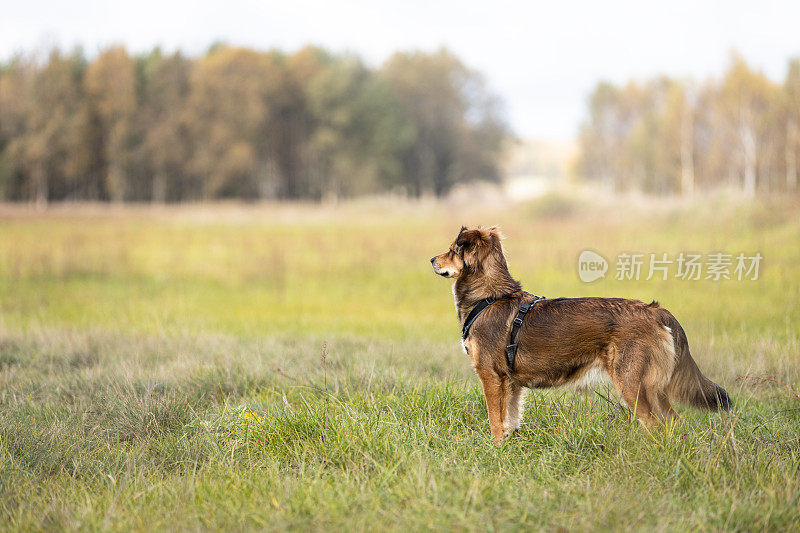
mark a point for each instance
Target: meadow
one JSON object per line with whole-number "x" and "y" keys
{"x": 279, "y": 367}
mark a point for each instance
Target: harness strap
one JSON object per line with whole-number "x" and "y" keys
{"x": 476, "y": 310}
{"x": 511, "y": 349}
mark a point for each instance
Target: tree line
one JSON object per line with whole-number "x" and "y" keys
{"x": 670, "y": 136}
{"x": 242, "y": 123}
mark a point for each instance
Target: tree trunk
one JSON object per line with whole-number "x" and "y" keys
{"x": 40, "y": 187}
{"x": 687, "y": 153}
{"x": 441, "y": 173}
{"x": 159, "y": 195}
{"x": 791, "y": 155}
{"x": 115, "y": 183}
{"x": 748, "y": 140}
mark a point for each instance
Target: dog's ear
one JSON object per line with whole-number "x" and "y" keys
{"x": 470, "y": 237}
{"x": 496, "y": 236}
{"x": 475, "y": 245}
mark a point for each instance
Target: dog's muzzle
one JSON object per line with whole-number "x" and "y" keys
{"x": 444, "y": 273}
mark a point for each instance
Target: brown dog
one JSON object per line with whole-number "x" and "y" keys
{"x": 642, "y": 347}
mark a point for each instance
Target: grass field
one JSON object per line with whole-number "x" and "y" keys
{"x": 274, "y": 367}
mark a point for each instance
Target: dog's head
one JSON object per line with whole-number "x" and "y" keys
{"x": 469, "y": 251}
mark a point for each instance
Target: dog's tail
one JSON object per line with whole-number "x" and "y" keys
{"x": 688, "y": 384}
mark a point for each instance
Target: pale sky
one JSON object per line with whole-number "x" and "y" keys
{"x": 543, "y": 59}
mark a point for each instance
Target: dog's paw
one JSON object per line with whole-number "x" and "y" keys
{"x": 503, "y": 437}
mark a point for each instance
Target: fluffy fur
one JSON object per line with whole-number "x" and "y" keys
{"x": 641, "y": 347}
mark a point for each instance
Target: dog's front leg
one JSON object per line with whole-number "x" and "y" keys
{"x": 515, "y": 405}
{"x": 495, "y": 391}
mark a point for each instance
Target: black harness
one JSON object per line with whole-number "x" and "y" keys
{"x": 511, "y": 349}
{"x": 476, "y": 310}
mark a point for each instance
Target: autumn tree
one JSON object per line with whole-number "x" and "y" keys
{"x": 676, "y": 149}
{"x": 603, "y": 138}
{"x": 744, "y": 101}
{"x": 242, "y": 123}
{"x": 49, "y": 146}
{"x": 14, "y": 77}
{"x": 360, "y": 131}
{"x": 670, "y": 136}
{"x": 792, "y": 145}
{"x": 452, "y": 113}
{"x": 111, "y": 88}
{"x": 291, "y": 124}
{"x": 162, "y": 127}
{"x": 227, "y": 112}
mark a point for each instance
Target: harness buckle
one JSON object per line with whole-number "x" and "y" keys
{"x": 518, "y": 321}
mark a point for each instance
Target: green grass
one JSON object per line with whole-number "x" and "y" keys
{"x": 275, "y": 367}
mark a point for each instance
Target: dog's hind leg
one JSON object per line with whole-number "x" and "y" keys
{"x": 637, "y": 401}
{"x": 626, "y": 371}
{"x": 665, "y": 408}
{"x": 495, "y": 391}
{"x": 649, "y": 401}
{"x": 659, "y": 367}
